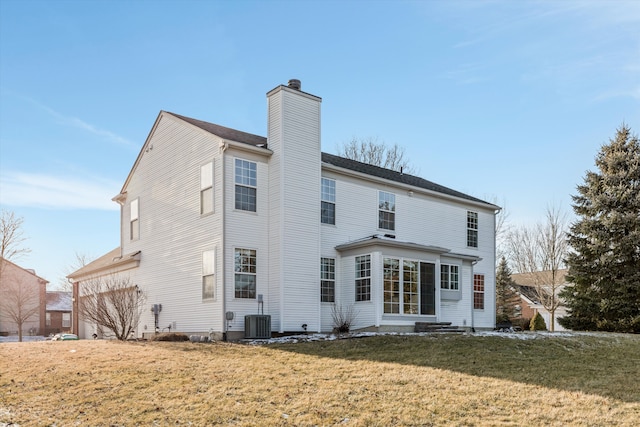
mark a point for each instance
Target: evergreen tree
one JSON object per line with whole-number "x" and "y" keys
{"x": 538, "y": 323}
{"x": 604, "y": 266}
{"x": 506, "y": 297}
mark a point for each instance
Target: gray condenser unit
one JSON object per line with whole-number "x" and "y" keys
{"x": 257, "y": 326}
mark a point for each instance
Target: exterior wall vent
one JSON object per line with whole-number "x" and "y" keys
{"x": 295, "y": 84}
{"x": 257, "y": 326}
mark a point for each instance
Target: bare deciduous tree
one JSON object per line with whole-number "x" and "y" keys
{"x": 80, "y": 260}
{"x": 112, "y": 302}
{"x": 539, "y": 252}
{"x": 374, "y": 152}
{"x": 19, "y": 301}
{"x": 11, "y": 236}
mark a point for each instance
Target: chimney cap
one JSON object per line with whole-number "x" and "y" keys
{"x": 295, "y": 84}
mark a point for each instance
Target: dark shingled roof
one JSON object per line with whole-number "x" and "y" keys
{"x": 248, "y": 138}
{"x": 223, "y": 132}
{"x": 392, "y": 175}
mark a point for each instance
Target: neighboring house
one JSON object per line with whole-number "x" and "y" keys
{"x": 217, "y": 224}
{"x": 528, "y": 288}
{"x": 58, "y": 314}
{"x": 22, "y": 300}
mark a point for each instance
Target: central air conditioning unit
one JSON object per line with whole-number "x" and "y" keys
{"x": 257, "y": 326}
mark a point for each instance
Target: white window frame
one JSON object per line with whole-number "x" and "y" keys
{"x": 208, "y": 274}
{"x": 328, "y": 280}
{"x": 447, "y": 281}
{"x": 328, "y": 198}
{"x": 363, "y": 278}
{"x": 134, "y": 219}
{"x": 245, "y": 270}
{"x": 206, "y": 189}
{"x": 386, "y": 211}
{"x": 479, "y": 293}
{"x": 472, "y": 229}
{"x": 244, "y": 180}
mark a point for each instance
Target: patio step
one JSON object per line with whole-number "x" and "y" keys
{"x": 440, "y": 327}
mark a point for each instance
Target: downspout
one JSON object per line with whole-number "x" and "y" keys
{"x": 223, "y": 148}
{"x": 473, "y": 263}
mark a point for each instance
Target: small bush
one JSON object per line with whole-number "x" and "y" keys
{"x": 342, "y": 318}
{"x": 522, "y": 322}
{"x": 538, "y": 323}
{"x": 502, "y": 318}
{"x": 170, "y": 336}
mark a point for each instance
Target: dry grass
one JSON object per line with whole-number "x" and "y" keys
{"x": 378, "y": 381}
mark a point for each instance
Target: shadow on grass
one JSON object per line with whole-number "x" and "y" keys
{"x": 608, "y": 366}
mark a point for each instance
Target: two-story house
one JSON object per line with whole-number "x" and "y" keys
{"x": 218, "y": 224}
{"x": 22, "y": 300}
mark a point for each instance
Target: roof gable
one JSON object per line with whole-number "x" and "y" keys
{"x": 330, "y": 159}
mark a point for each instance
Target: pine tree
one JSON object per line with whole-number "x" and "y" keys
{"x": 506, "y": 297}
{"x": 604, "y": 266}
{"x": 538, "y": 323}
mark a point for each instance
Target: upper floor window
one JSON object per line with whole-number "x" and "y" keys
{"x": 208, "y": 274}
{"x": 472, "y": 229}
{"x": 206, "y": 188}
{"x": 363, "y": 278}
{"x": 245, "y": 273}
{"x": 328, "y": 201}
{"x": 449, "y": 277}
{"x": 246, "y": 184}
{"x": 327, "y": 280}
{"x": 134, "y": 219}
{"x": 386, "y": 210}
{"x": 478, "y": 291}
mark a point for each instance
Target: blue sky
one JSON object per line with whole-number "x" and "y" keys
{"x": 507, "y": 101}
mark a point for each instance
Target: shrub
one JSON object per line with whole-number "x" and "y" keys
{"x": 522, "y": 322}
{"x": 502, "y": 318}
{"x": 342, "y": 318}
{"x": 170, "y": 336}
{"x": 538, "y": 323}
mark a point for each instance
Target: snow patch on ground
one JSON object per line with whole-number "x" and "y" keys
{"x": 292, "y": 339}
{"x": 25, "y": 338}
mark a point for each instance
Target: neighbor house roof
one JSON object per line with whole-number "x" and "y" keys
{"x": 25, "y": 270}
{"x": 341, "y": 162}
{"x": 533, "y": 279}
{"x": 59, "y": 301}
{"x": 109, "y": 261}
